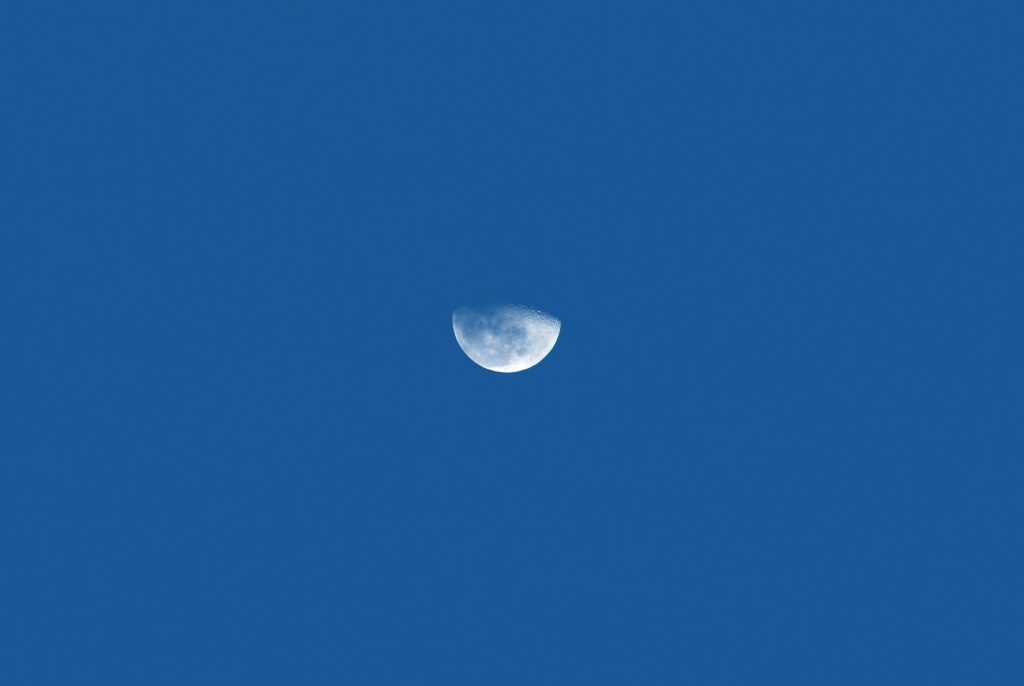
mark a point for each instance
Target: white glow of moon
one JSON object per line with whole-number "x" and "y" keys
{"x": 505, "y": 338}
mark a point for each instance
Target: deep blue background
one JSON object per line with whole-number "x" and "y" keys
{"x": 778, "y": 442}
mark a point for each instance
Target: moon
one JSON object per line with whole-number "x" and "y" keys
{"x": 505, "y": 338}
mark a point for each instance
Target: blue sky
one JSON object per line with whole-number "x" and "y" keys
{"x": 778, "y": 440}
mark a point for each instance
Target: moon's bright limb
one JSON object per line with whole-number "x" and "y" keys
{"x": 505, "y": 338}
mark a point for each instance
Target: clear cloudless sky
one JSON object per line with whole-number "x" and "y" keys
{"x": 779, "y": 440}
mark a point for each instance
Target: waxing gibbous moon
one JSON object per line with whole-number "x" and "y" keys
{"x": 505, "y": 338}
